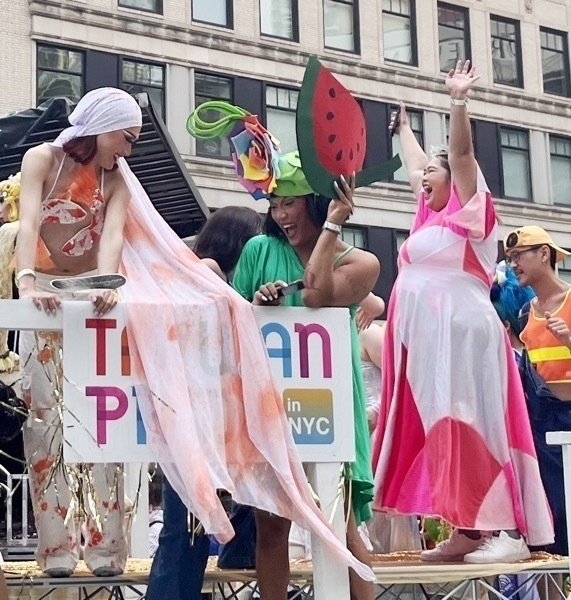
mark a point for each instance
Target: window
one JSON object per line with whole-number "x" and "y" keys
{"x": 354, "y": 236}
{"x": 560, "y": 155}
{"x": 341, "y": 24}
{"x": 555, "y": 62}
{"x": 514, "y": 145}
{"x": 139, "y": 77}
{"x": 280, "y": 115}
{"x": 415, "y": 118}
{"x": 564, "y": 269}
{"x": 217, "y": 12}
{"x": 506, "y": 52}
{"x": 155, "y": 6}
{"x": 399, "y": 37}
{"x": 212, "y": 87}
{"x": 400, "y": 238}
{"x": 447, "y": 130}
{"x": 60, "y": 73}
{"x": 453, "y": 35}
{"x": 279, "y": 18}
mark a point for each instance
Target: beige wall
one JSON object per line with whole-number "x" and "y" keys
{"x": 174, "y": 40}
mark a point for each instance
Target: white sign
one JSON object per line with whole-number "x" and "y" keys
{"x": 310, "y": 357}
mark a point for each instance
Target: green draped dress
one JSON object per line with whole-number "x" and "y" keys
{"x": 266, "y": 259}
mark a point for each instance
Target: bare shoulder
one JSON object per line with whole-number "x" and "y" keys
{"x": 115, "y": 185}
{"x": 40, "y": 158}
{"x": 214, "y": 266}
{"x": 361, "y": 257}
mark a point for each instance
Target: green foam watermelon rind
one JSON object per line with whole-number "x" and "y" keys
{"x": 378, "y": 172}
{"x": 320, "y": 179}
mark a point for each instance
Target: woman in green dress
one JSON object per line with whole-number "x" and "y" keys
{"x": 301, "y": 240}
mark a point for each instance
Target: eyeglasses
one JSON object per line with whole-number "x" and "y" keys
{"x": 514, "y": 256}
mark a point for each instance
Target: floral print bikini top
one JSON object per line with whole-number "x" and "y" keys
{"x": 82, "y": 198}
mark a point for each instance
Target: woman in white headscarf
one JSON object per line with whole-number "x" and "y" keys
{"x": 73, "y": 207}
{"x": 214, "y": 417}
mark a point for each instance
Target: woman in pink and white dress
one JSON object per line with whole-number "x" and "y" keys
{"x": 453, "y": 438}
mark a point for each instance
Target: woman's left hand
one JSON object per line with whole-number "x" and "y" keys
{"x": 341, "y": 208}
{"x": 461, "y": 79}
{"x": 103, "y": 301}
{"x": 363, "y": 319}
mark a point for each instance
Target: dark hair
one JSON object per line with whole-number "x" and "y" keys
{"x": 155, "y": 485}
{"x": 317, "y": 207}
{"x": 552, "y": 257}
{"x": 82, "y": 149}
{"x": 442, "y": 156}
{"x": 223, "y": 236}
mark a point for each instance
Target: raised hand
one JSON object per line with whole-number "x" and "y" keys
{"x": 341, "y": 208}
{"x": 461, "y": 79}
{"x": 399, "y": 119}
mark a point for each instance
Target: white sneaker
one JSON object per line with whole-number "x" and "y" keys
{"x": 499, "y": 549}
{"x": 452, "y": 550}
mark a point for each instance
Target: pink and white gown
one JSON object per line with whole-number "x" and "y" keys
{"x": 453, "y": 438}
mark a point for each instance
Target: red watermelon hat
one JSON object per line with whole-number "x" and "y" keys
{"x": 332, "y": 135}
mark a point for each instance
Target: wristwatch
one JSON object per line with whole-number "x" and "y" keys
{"x": 459, "y": 101}
{"x": 329, "y": 226}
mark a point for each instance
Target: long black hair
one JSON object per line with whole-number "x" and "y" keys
{"x": 225, "y": 233}
{"x": 317, "y": 207}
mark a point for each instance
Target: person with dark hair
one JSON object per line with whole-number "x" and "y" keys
{"x": 223, "y": 236}
{"x": 451, "y": 395}
{"x": 546, "y": 335}
{"x": 301, "y": 240}
{"x": 156, "y": 519}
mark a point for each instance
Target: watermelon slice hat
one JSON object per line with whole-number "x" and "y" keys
{"x": 331, "y": 134}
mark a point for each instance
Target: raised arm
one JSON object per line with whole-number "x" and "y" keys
{"x": 351, "y": 281}
{"x": 415, "y": 158}
{"x": 461, "y": 157}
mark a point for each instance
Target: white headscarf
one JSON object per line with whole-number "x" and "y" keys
{"x": 101, "y": 111}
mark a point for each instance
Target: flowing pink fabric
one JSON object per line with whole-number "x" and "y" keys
{"x": 210, "y": 407}
{"x": 453, "y": 438}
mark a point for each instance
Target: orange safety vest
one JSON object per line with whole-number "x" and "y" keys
{"x": 552, "y": 360}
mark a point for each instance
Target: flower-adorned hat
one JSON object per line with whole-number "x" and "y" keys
{"x": 331, "y": 137}
{"x": 259, "y": 164}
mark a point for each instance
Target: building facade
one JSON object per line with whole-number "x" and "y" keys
{"x": 253, "y": 53}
